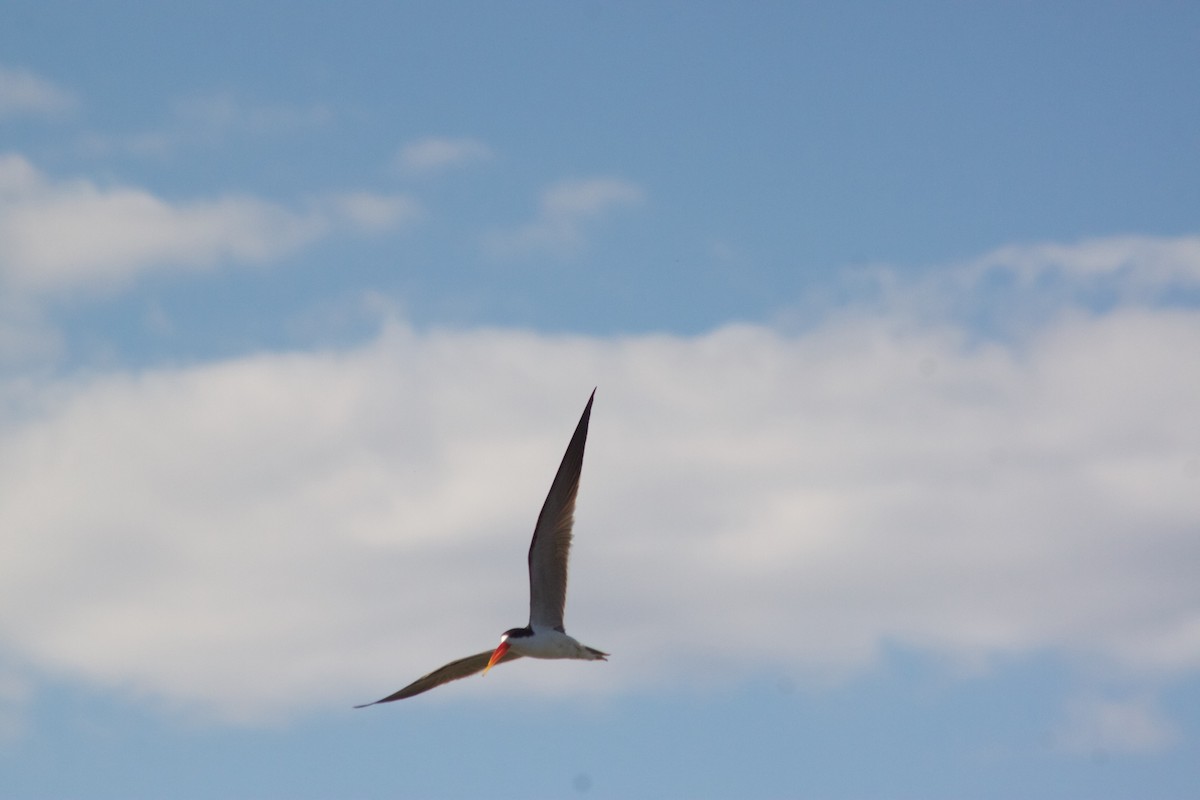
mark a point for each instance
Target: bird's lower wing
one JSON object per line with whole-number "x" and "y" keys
{"x": 463, "y": 668}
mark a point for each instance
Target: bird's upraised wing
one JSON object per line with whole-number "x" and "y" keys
{"x": 551, "y": 545}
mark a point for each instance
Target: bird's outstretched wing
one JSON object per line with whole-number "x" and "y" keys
{"x": 462, "y": 668}
{"x": 551, "y": 545}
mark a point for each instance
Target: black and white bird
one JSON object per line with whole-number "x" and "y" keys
{"x": 544, "y": 636}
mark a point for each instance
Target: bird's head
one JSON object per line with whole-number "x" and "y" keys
{"x": 502, "y": 648}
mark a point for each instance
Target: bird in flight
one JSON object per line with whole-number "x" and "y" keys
{"x": 544, "y": 636}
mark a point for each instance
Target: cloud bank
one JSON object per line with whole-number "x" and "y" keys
{"x": 287, "y": 531}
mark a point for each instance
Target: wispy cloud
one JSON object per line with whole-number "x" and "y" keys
{"x": 23, "y": 93}
{"x": 1018, "y": 288}
{"x": 1103, "y": 726}
{"x": 14, "y": 696}
{"x": 565, "y": 211}
{"x": 371, "y": 211}
{"x": 436, "y": 154}
{"x": 26, "y": 337}
{"x": 209, "y": 120}
{"x": 240, "y": 534}
{"x": 58, "y": 235}
{"x": 222, "y": 113}
{"x": 1141, "y": 260}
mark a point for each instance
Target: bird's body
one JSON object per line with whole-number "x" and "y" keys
{"x": 551, "y": 643}
{"x": 544, "y": 636}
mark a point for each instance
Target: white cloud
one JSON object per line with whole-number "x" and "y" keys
{"x": 1101, "y": 726}
{"x": 287, "y": 531}
{"x": 435, "y": 154}
{"x": 565, "y": 210}
{"x": 68, "y": 234}
{"x": 22, "y": 93}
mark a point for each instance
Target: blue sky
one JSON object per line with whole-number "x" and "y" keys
{"x": 892, "y": 485}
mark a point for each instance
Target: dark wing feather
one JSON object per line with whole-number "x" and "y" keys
{"x": 463, "y": 668}
{"x": 551, "y": 545}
